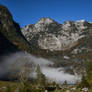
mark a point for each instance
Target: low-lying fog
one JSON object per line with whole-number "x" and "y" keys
{"x": 20, "y": 58}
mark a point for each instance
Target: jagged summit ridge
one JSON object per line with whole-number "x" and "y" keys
{"x": 46, "y": 21}
{"x": 48, "y": 34}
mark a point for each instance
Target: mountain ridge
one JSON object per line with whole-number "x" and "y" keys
{"x": 48, "y": 34}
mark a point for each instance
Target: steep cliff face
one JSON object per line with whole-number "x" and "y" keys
{"x": 49, "y": 35}
{"x": 10, "y": 32}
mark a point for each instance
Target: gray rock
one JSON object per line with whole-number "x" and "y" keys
{"x": 47, "y": 34}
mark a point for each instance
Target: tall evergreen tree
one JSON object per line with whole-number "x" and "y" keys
{"x": 41, "y": 79}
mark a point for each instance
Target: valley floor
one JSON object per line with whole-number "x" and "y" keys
{"x": 6, "y": 86}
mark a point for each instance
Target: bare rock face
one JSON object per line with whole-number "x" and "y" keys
{"x": 47, "y": 34}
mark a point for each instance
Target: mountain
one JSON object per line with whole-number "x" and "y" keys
{"x": 67, "y": 45}
{"x": 51, "y": 36}
{"x": 11, "y": 38}
{"x": 46, "y": 35}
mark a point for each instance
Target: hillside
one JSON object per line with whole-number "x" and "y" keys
{"x": 10, "y": 34}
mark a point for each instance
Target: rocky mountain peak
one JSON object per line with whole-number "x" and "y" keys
{"x": 82, "y": 24}
{"x": 44, "y": 24}
{"x": 47, "y": 34}
{"x": 67, "y": 25}
{"x": 45, "y": 21}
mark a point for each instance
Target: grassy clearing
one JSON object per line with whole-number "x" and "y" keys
{"x": 5, "y": 86}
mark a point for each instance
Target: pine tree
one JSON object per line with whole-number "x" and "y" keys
{"x": 41, "y": 79}
{"x": 84, "y": 82}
